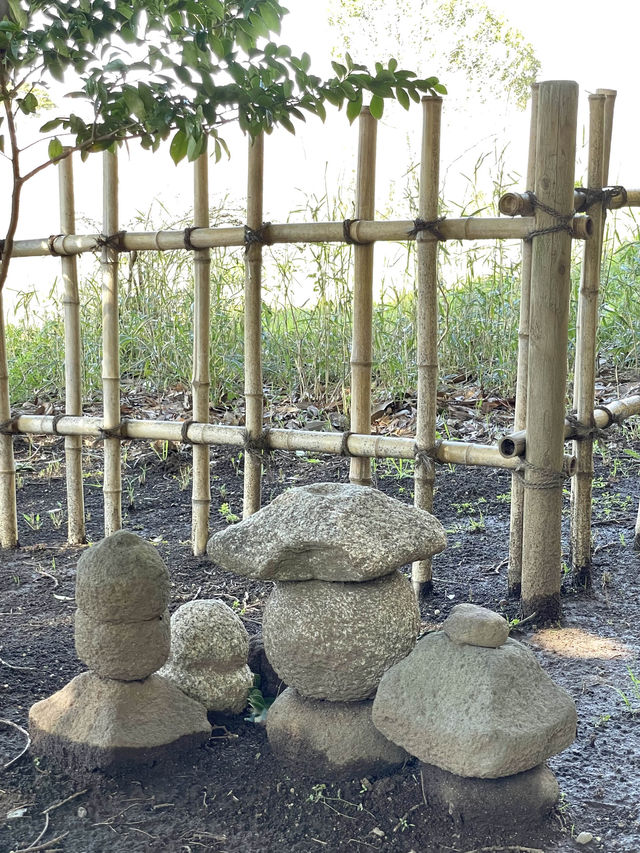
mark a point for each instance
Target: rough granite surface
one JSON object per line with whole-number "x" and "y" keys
{"x": 476, "y": 626}
{"x": 328, "y": 531}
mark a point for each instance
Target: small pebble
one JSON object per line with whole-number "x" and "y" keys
{"x": 82, "y": 812}
{"x": 584, "y": 838}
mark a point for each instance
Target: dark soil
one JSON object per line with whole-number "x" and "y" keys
{"x": 231, "y": 795}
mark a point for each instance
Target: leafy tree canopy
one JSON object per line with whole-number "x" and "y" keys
{"x": 151, "y": 69}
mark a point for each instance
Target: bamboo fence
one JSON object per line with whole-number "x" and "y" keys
{"x": 542, "y": 338}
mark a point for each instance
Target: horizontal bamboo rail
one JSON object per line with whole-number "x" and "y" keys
{"x": 365, "y": 231}
{"x": 515, "y": 444}
{"x": 519, "y": 204}
{"x": 373, "y": 446}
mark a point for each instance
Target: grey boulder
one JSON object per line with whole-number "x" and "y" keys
{"x": 476, "y": 626}
{"x": 328, "y": 531}
{"x": 335, "y": 640}
{"x": 329, "y": 740}
{"x": 474, "y": 711}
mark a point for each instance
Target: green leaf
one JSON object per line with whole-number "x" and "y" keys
{"x": 178, "y": 148}
{"x": 440, "y": 89}
{"x": 55, "y": 148}
{"x": 340, "y": 70}
{"x": 50, "y": 125}
{"x": 403, "y": 98}
{"x": 18, "y": 13}
{"x": 354, "y": 107}
{"x": 376, "y": 106}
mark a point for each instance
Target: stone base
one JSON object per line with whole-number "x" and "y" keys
{"x": 100, "y": 724}
{"x": 329, "y": 740}
{"x": 486, "y": 804}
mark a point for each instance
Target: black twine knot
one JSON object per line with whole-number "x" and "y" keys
{"x": 427, "y": 457}
{"x": 563, "y": 220}
{"x": 186, "y": 237}
{"x": 582, "y": 430}
{"x": 117, "y": 431}
{"x": 51, "y": 244}
{"x": 613, "y": 419}
{"x": 184, "y": 429}
{"x": 545, "y": 478}
{"x": 255, "y": 445}
{"x": 256, "y": 236}
{"x": 346, "y": 233}
{"x": 56, "y": 420}
{"x": 10, "y": 427}
{"x": 602, "y": 196}
{"x": 112, "y": 241}
{"x": 430, "y": 225}
{"x": 344, "y": 444}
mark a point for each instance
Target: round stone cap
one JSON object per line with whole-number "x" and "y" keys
{"x": 207, "y": 632}
{"x": 122, "y": 579}
{"x": 476, "y": 626}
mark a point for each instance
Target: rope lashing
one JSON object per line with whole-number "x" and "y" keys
{"x": 613, "y": 419}
{"x": 56, "y": 420}
{"x": 602, "y": 196}
{"x": 256, "y": 445}
{"x": 184, "y": 429}
{"x": 545, "y": 477}
{"x": 563, "y": 220}
{"x": 10, "y": 427}
{"x": 344, "y": 444}
{"x": 430, "y": 225}
{"x": 186, "y": 237}
{"x": 581, "y": 430}
{"x": 256, "y": 236}
{"x": 51, "y": 244}
{"x": 112, "y": 241}
{"x": 346, "y": 233}
{"x": 427, "y": 458}
{"x": 119, "y": 431}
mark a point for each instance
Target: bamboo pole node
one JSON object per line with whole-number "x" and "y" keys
{"x": 10, "y": 427}
{"x": 588, "y": 197}
{"x": 563, "y": 220}
{"x": 184, "y": 430}
{"x": 346, "y": 233}
{"x": 52, "y": 248}
{"x": 427, "y": 457}
{"x": 255, "y": 445}
{"x": 156, "y": 241}
{"x": 344, "y": 444}
{"x": 257, "y": 236}
{"x": 430, "y": 225}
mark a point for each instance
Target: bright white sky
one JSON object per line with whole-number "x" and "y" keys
{"x": 579, "y": 42}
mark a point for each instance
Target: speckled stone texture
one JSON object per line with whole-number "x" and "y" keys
{"x": 96, "y": 723}
{"x": 474, "y": 711}
{"x": 329, "y": 740}
{"x": 335, "y": 640}
{"x": 127, "y": 651}
{"x": 488, "y": 804}
{"x": 122, "y": 579}
{"x": 330, "y": 532}
{"x": 476, "y": 626}
{"x": 209, "y": 652}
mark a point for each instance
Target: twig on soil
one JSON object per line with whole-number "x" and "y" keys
{"x": 45, "y": 844}
{"x": 22, "y": 731}
{"x": 62, "y": 802}
{"x": 56, "y": 582}
{"x": 510, "y": 849}
{"x": 424, "y": 796}
{"x": 517, "y": 628}
{"x": 359, "y": 841}
{"x": 14, "y": 665}
{"x": 226, "y": 736}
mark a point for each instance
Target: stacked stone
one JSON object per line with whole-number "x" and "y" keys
{"x": 483, "y": 717}
{"x": 339, "y": 616}
{"x": 209, "y": 652}
{"x": 119, "y": 712}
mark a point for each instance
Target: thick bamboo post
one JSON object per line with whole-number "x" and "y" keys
{"x": 112, "y": 488}
{"x": 585, "y": 365}
{"x": 514, "y": 572}
{"x": 427, "y": 325}
{"x": 200, "y": 385}
{"x": 76, "y": 533}
{"x": 361, "y": 347}
{"x": 252, "y": 327}
{"x": 8, "y": 505}
{"x": 548, "y": 338}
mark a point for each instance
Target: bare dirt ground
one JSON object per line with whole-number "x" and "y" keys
{"x": 232, "y": 795}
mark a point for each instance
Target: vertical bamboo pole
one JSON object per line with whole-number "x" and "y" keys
{"x": 252, "y": 328}
{"x": 8, "y": 505}
{"x": 200, "y": 385}
{"x": 361, "y": 347}
{"x": 585, "y": 365}
{"x": 636, "y": 539}
{"x": 427, "y": 323}
{"x": 72, "y": 359}
{"x": 548, "y": 338}
{"x": 112, "y": 487}
{"x": 514, "y": 578}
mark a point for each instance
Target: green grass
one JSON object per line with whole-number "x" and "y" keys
{"x": 307, "y": 316}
